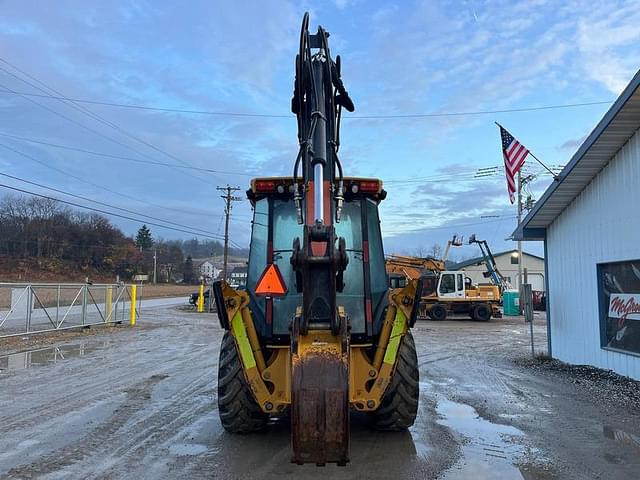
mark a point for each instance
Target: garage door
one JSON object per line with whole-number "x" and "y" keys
{"x": 537, "y": 281}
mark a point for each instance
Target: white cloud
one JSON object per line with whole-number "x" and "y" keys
{"x": 604, "y": 37}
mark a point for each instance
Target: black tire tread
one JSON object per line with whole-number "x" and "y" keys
{"x": 439, "y": 306}
{"x": 399, "y": 406}
{"x": 479, "y": 318}
{"x": 237, "y": 408}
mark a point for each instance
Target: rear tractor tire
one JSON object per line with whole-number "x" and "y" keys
{"x": 238, "y": 410}
{"x": 481, "y": 313}
{"x": 399, "y": 406}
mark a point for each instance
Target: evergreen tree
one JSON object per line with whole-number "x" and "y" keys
{"x": 187, "y": 271}
{"x": 144, "y": 240}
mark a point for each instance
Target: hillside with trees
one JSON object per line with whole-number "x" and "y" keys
{"x": 41, "y": 239}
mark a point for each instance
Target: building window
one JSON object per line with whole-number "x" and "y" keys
{"x": 515, "y": 258}
{"x": 619, "y": 302}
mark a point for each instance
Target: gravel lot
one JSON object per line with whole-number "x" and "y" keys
{"x": 141, "y": 403}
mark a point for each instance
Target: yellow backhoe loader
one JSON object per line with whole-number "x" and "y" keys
{"x": 317, "y": 333}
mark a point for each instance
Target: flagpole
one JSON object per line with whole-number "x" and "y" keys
{"x": 520, "y": 241}
{"x": 555, "y": 177}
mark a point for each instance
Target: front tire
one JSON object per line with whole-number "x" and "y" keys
{"x": 399, "y": 406}
{"x": 438, "y": 312}
{"x": 239, "y": 412}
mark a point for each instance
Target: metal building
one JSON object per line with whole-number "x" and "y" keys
{"x": 507, "y": 263}
{"x": 589, "y": 220}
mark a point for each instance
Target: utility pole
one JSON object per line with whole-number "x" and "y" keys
{"x": 155, "y": 265}
{"x": 228, "y": 198}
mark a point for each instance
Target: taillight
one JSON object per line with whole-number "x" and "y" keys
{"x": 265, "y": 186}
{"x": 370, "y": 186}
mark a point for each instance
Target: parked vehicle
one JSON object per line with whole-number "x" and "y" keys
{"x": 193, "y": 298}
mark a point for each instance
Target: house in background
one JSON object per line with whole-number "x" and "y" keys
{"x": 208, "y": 271}
{"x": 507, "y": 263}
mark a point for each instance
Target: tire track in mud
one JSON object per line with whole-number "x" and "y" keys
{"x": 139, "y": 433}
{"x": 145, "y": 437}
{"x": 65, "y": 404}
{"x": 93, "y": 391}
{"x": 137, "y": 396}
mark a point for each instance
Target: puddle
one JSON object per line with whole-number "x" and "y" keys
{"x": 489, "y": 451}
{"x": 421, "y": 448}
{"x": 621, "y": 436}
{"x": 184, "y": 449}
{"x": 47, "y": 356}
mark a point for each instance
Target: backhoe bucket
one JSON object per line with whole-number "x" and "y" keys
{"x": 320, "y": 398}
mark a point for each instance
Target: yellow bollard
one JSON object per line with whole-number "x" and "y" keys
{"x": 201, "y": 299}
{"x": 108, "y": 305}
{"x": 134, "y": 292}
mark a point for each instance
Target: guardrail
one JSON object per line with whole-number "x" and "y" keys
{"x": 30, "y": 308}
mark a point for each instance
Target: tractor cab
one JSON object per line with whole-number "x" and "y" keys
{"x": 275, "y": 224}
{"x": 454, "y": 285}
{"x": 451, "y": 285}
{"x": 444, "y": 284}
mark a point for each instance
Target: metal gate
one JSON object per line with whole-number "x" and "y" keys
{"x": 29, "y": 308}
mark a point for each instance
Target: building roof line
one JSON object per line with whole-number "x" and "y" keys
{"x": 619, "y": 139}
{"x": 473, "y": 261}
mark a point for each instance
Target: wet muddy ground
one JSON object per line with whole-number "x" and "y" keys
{"x": 141, "y": 403}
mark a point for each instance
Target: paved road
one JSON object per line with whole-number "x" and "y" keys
{"x": 141, "y": 403}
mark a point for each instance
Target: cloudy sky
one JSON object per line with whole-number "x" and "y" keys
{"x": 402, "y": 58}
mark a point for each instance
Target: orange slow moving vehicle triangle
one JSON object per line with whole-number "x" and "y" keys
{"x": 271, "y": 283}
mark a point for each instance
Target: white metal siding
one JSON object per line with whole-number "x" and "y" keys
{"x": 534, "y": 266}
{"x": 600, "y": 225}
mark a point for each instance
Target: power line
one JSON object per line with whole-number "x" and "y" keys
{"x": 464, "y": 224}
{"x": 105, "y": 212}
{"x": 108, "y": 155}
{"x": 363, "y": 117}
{"x": 158, "y": 109}
{"x": 85, "y": 111}
{"x": 482, "y": 112}
{"x": 85, "y": 127}
{"x": 80, "y": 179}
{"x": 80, "y": 197}
{"x": 480, "y": 173}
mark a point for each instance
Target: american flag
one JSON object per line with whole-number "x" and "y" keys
{"x": 514, "y": 154}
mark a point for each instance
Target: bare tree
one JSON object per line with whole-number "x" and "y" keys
{"x": 435, "y": 251}
{"x": 42, "y": 230}
{"x": 420, "y": 251}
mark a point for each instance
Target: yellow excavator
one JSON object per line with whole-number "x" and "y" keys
{"x": 445, "y": 292}
{"x": 317, "y": 333}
